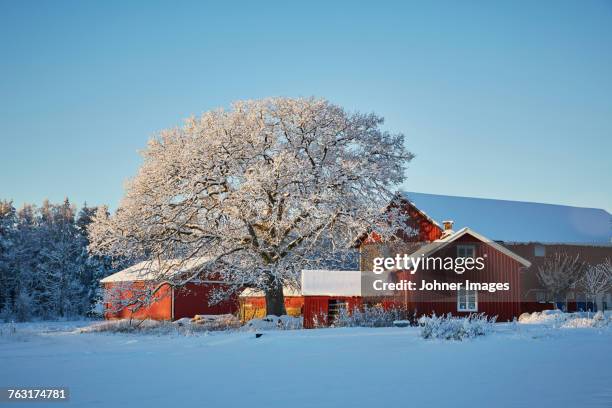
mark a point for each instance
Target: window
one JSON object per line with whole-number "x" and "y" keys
{"x": 541, "y": 297}
{"x": 539, "y": 250}
{"x": 466, "y": 251}
{"x": 467, "y": 301}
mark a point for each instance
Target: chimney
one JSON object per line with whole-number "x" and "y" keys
{"x": 448, "y": 225}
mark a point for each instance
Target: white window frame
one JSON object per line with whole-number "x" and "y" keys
{"x": 463, "y": 294}
{"x": 465, "y": 248}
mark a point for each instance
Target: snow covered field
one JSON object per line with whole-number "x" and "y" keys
{"x": 521, "y": 365}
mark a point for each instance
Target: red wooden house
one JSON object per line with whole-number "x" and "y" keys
{"x": 327, "y": 291}
{"x": 536, "y": 232}
{"x": 496, "y": 289}
{"x": 430, "y": 239}
{"x": 129, "y": 293}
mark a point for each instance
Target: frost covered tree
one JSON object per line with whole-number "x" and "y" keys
{"x": 261, "y": 191}
{"x": 45, "y": 269}
{"x": 60, "y": 263}
{"x": 96, "y": 267}
{"x": 597, "y": 281}
{"x": 21, "y": 267}
{"x": 559, "y": 273}
{"x": 8, "y": 222}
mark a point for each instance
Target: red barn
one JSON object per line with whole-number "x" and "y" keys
{"x": 138, "y": 292}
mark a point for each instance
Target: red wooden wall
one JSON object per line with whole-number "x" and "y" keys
{"x": 317, "y": 307}
{"x": 499, "y": 267}
{"x": 192, "y": 299}
{"x": 427, "y": 230}
{"x": 159, "y": 309}
{"x": 188, "y": 301}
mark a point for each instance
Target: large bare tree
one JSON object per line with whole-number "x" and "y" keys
{"x": 260, "y": 191}
{"x": 560, "y": 273}
{"x": 597, "y": 281}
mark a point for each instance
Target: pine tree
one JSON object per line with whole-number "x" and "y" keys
{"x": 96, "y": 267}
{"x": 22, "y": 267}
{"x": 8, "y": 220}
{"x": 45, "y": 268}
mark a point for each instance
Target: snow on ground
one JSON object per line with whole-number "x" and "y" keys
{"x": 519, "y": 365}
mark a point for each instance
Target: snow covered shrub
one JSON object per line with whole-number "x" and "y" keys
{"x": 211, "y": 322}
{"x": 369, "y": 316}
{"x": 599, "y": 316}
{"x": 8, "y": 329}
{"x": 272, "y": 322}
{"x": 553, "y": 317}
{"x": 558, "y": 319}
{"x": 155, "y": 327}
{"x": 447, "y": 327}
{"x": 577, "y": 320}
{"x": 319, "y": 320}
{"x": 122, "y": 326}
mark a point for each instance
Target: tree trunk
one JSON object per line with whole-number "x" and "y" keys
{"x": 275, "y": 300}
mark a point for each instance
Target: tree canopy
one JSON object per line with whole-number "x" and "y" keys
{"x": 261, "y": 190}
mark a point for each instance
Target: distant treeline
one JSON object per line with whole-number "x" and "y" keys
{"x": 45, "y": 269}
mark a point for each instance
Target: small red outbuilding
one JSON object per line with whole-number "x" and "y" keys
{"x": 326, "y": 292}
{"x": 138, "y": 292}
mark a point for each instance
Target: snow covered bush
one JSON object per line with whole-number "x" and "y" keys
{"x": 558, "y": 319}
{"x": 124, "y": 326}
{"x": 212, "y": 322}
{"x": 7, "y": 329}
{"x": 544, "y": 317}
{"x": 272, "y": 322}
{"x": 184, "y": 326}
{"x": 582, "y": 322}
{"x": 447, "y": 327}
{"x": 369, "y": 316}
{"x": 598, "y": 320}
{"x": 319, "y": 320}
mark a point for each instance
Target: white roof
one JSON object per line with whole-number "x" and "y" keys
{"x": 331, "y": 283}
{"x": 155, "y": 270}
{"x": 287, "y": 291}
{"x": 516, "y": 221}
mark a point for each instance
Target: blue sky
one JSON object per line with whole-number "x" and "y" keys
{"x": 500, "y": 99}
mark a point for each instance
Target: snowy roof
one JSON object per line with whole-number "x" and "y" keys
{"x": 331, "y": 283}
{"x": 516, "y": 221}
{"x": 287, "y": 291}
{"x": 154, "y": 270}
